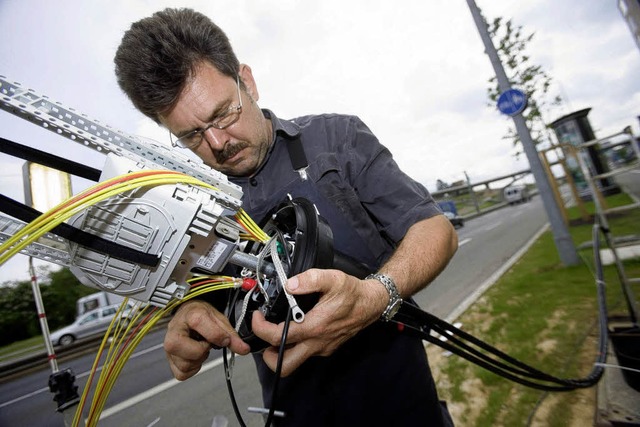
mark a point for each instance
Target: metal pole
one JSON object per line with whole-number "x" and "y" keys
{"x": 51, "y": 355}
{"x": 564, "y": 244}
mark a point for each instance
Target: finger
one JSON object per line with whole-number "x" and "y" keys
{"x": 314, "y": 280}
{"x": 182, "y": 375}
{"x": 293, "y": 357}
{"x": 185, "y": 354}
{"x": 230, "y": 337}
{"x": 213, "y": 327}
{"x": 183, "y": 369}
{"x": 182, "y": 346}
{"x": 272, "y": 333}
{"x": 265, "y": 330}
{"x": 305, "y": 282}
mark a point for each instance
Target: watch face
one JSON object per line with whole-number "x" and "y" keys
{"x": 395, "y": 308}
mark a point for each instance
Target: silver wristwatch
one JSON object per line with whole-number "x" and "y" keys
{"x": 395, "y": 301}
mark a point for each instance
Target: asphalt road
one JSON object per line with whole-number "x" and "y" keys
{"x": 145, "y": 394}
{"x": 485, "y": 245}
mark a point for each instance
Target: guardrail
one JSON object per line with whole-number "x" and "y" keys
{"x": 476, "y": 198}
{"x": 39, "y": 360}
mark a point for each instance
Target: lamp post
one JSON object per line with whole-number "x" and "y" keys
{"x": 562, "y": 238}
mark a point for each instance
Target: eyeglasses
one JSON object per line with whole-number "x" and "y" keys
{"x": 194, "y": 138}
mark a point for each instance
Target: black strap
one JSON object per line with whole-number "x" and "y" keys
{"x": 65, "y": 165}
{"x": 297, "y": 154}
{"x": 28, "y": 214}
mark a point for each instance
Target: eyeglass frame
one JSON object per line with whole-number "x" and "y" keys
{"x": 234, "y": 109}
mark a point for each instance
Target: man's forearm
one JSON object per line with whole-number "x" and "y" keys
{"x": 422, "y": 254}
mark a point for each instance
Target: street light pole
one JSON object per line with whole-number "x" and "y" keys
{"x": 564, "y": 244}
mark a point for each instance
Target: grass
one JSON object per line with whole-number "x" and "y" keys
{"x": 21, "y": 347}
{"x": 539, "y": 312}
{"x": 544, "y": 314}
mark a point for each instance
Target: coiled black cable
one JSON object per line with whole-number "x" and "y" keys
{"x": 419, "y": 323}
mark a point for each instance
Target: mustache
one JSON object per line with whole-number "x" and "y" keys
{"x": 229, "y": 151}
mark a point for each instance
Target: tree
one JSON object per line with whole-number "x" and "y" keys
{"x": 18, "y": 318}
{"x": 60, "y": 297}
{"x": 511, "y": 44}
{"x": 18, "y": 314}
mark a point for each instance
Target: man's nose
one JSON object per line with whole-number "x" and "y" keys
{"x": 216, "y": 138}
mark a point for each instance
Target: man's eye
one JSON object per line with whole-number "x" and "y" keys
{"x": 192, "y": 136}
{"x": 223, "y": 120}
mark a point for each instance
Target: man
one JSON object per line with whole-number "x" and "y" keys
{"x": 342, "y": 366}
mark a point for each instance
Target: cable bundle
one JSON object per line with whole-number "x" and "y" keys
{"x": 126, "y": 331}
{"x": 97, "y": 193}
{"x": 418, "y": 322}
{"x": 251, "y": 229}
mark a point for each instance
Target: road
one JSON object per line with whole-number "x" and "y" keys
{"x": 145, "y": 394}
{"x": 485, "y": 244}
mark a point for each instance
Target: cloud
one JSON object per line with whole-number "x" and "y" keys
{"x": 416, "y": 74}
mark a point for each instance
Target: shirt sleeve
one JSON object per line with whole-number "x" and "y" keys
{"x": 390, "y": 196}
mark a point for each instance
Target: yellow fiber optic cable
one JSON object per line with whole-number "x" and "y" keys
{"x": 100, "y": 192}
{"x": 98, "y": 187}
{"x": 121, "y": 349}
{"x": 59, "y": 214}
{"x": 250, "y": 226}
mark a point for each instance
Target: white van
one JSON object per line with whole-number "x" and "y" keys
{"x": 516, "y": 194}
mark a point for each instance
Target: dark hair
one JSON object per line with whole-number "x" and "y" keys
{"x": 158, "y": 54}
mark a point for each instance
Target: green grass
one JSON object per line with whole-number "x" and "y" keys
{"x": 537, "y": 301}
{"x": 21, "y": 347}
{"x": 544, "y": 314}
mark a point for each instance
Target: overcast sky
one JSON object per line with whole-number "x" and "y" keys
{"x": 414, "y": 71}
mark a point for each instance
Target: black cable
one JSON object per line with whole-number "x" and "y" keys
{"x": 529, "y": 373}
{"x": 233, "y": 299}
{"x": 458, "y": 347}
{"x": 545, "y": 394}
{"x": 602, "y": 307}
{"x": 27, "y": 214}
{"x": 482, "y": 363}
{"x": 450, "y": 331}
{"x": 419, "y": 323}
{"x": 526, "y": 371}
{"x": 276, "y": 381}
{"x": 232, "y": 396}
{"x": 46, "y": 159}
{"x": 232, "y": 303}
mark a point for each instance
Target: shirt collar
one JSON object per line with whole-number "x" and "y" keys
{"x": 286, "y": 127}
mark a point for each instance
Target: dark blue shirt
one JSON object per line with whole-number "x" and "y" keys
{"x": 349, "y": 167}
{"x": 381, "y": 376}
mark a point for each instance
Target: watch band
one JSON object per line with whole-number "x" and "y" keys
{"x": 395, "y": 301}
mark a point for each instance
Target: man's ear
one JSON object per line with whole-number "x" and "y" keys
{"x": 249, "y": 83}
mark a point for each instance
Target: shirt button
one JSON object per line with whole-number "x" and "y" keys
{"x": 253, "y": 182}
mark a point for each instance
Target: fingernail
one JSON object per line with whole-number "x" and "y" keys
{"x": 292, "y": 284}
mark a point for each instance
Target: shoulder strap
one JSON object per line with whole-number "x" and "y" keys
{"x": 298, "y": 157}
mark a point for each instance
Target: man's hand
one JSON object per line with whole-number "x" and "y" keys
{"x": 346, "y": 306}
{"x": 192, "y": 332}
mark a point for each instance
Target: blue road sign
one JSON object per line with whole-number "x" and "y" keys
{"x": 512, "y": 102}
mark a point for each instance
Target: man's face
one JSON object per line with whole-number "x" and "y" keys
{"x": 238, "y": 149}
